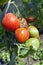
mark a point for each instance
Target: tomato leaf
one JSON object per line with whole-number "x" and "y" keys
{"x": 23, "y": 52}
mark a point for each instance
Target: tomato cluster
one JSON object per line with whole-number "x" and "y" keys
{"x": 22, "y": 31}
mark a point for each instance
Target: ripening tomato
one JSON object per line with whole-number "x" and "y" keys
{"x": 30, "y": 19}
{"x": 3, "y": 1}
{"x": 21, "y": 34}
{"x": 33, "y": 31}
{"x": 23, "y": 22}
{"x": 10, "y": 22}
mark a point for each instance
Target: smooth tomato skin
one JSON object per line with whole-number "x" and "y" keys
{"x": 34, "y": 42}
{"x": 10, "y": 22}
{"x": 21, "y": 34}
{"x": 33, "y": 31}
{"x": 31, "y": 18}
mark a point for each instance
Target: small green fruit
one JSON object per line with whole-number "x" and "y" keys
{"x": 32, "y": 42}
{"x": 33, "y": 31}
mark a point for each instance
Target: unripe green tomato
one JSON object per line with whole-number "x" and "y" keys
{"x": 3, "y": 1}
{"x": 32, "y": 42}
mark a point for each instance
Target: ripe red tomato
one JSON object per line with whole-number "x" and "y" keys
{"x": 21, "y": 34}
{"x": 10, "y": 22}
{"x": 23, "y": 22}
{"x": 30, "y": 19}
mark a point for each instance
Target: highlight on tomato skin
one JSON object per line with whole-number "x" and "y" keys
{"x": 10, "y": 22}
{"x": 21, "y": 34}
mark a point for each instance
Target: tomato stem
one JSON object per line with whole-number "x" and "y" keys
{"x": 6, "y": 8}
{"x": 13, "y": 3}
{"x": 12, "y": 58}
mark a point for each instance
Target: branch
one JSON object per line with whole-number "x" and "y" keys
{"x": 6, "y": 8}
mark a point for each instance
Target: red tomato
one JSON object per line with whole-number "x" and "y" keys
{"x": 10, "y": 22}
{"x": 21, "y": 34}
{"x": 30, "y": 19}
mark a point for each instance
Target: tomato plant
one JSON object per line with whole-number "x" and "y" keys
{"x": 21, "y": 34}
{"x": 18, "y": 32}
{"x": 10, "y": 22}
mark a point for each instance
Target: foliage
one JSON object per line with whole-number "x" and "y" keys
{"x": 9, "y": 46}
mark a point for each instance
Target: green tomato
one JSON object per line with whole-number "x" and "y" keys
{"x": 33, "y": 31}
{"x": 3, "y": 1}
{"x": 32, "y": 42}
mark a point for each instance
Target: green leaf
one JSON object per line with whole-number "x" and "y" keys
{"x": 23, "y": 52}
{"x": 35, "y": 57}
